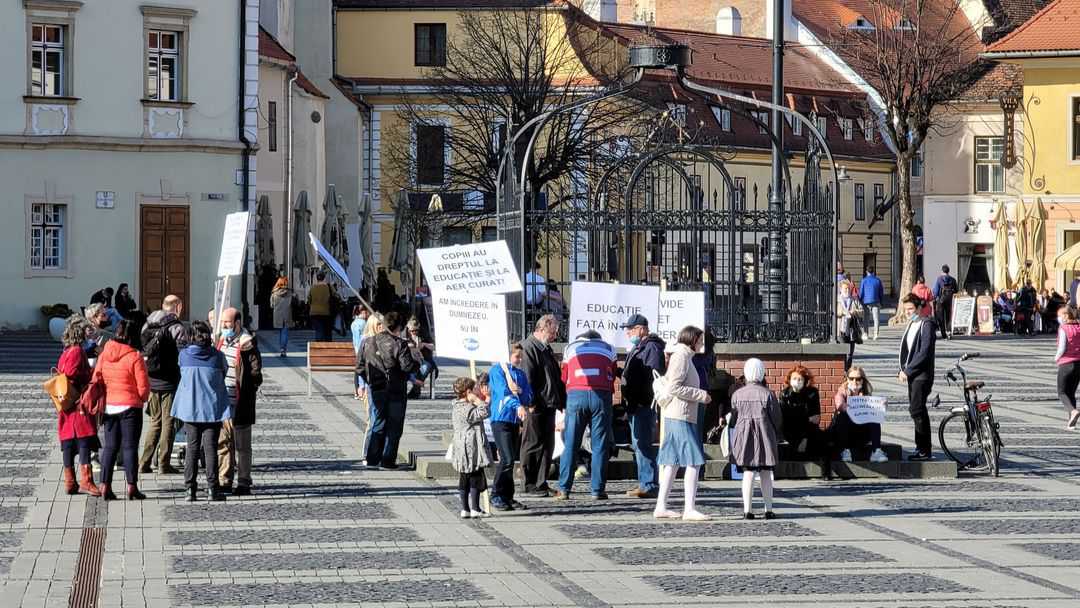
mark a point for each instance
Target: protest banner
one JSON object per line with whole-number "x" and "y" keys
{"x": 234, "y": 244}
{"x": 338, "y": 270}
{"x": 470, "y": 326}
{"x": 677, "y": 309}
{"x": 480, "y": 268}
{"x": 866, "y": 409}
{"x": 963, "y": 312}
{"x": 605, "y": 306}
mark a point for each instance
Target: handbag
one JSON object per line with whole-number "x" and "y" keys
{"x": 61, "y": 391}
{"x": 661, "y": 390}
{"x": 92, "y": 400}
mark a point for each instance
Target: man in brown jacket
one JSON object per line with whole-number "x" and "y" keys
{"x": 242, "y": 381}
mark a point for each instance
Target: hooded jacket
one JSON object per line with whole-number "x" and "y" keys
{"x": 201, "y": 395}
{"x": 504, "y": 402}
{"x": 124, "y": 372}
{"x": 637, "y": 376}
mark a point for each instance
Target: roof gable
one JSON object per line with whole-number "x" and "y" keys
{"x": 1055, "y": 28}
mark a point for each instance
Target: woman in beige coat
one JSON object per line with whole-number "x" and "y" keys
{"x": 281, "y": 301}
{"x": 680, "y": 445}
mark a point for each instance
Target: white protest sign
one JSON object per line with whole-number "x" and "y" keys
{"x": 356, "y": 256}
{"x": 862, "y": 410}
{"x": 330, "y": 260}
{"x": 470, "y": 326}
{"x": 234, "y": 244}
{"x": 677, "y": 310}
{"x": 605, "y": 306}
{"x": 470, "y": 269}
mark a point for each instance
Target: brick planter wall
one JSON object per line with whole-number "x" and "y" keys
{"x": 825, "y": 361}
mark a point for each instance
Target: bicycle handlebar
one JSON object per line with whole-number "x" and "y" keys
{"x": 968, "y": 356}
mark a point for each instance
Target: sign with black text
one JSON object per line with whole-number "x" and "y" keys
{"x": 605, "y": 306}
{"x": 677, "y": 310}
{"x": 963, "y": 312}
{"x": 470, "y": 326}
{"x": 234, "y": 244}
{"x": 863, "y": 410}
{"x": 480, "y": 268}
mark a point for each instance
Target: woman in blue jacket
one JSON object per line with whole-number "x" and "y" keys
{"x": 203, "y": 404}
{"x": 509, "y": 398}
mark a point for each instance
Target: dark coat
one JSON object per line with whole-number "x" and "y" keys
{"x": 248, "y": 380}
{"x": 545, "y": 376}
{"x": 385, "y": 363}
{"x": 637, "y": 376}
{"x": 797, "y": 409}
{"x": 920, "y": 358}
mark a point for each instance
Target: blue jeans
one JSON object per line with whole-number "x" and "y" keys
{"x": 591, "y": 409}
{"x": 283, "y": 338}
{"x": 387, "y": 424}
{"x": 642, "y": 430}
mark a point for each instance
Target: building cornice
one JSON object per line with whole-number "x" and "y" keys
{"x": 67, "y": 6}
{"x": 118, "y": 144}
{"x": 176, "y": 12}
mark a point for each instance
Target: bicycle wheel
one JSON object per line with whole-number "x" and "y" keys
{"x": 989, "y": 441}
{"x": 959, "y": 440}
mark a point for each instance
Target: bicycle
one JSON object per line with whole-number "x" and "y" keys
{"x": 969, "y": 433}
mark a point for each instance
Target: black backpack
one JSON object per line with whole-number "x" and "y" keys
{"x": 948, "y": 288}
{"x": 160, "y": 348}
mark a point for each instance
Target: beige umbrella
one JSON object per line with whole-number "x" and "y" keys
{"x": 1036, "y": 233}
{"x": 1022, "y": 256}
{"x": 1001, "y": 247}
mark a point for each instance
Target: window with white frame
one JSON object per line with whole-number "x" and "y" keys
{"x": 794, "y": 124}
{"x": 163, "y": 65}
{"x": 860, "y": 202}
{"x": 677, "y": 112}
{"x": 740, "y": 193}
{"x": 905, "y": 24}
{"x": 917, "y": 164}
{"x": 867, "y": 127}
{"x": 846, "y": 127}
{"x": 822, "y": 126}
{"x": 47, "y": 60}
{"x": 762, "y": 119}
{"x": 430, "y": 154}
{"x": 862, "y": 23}
{"x": 1075, "y": 124}
{"x": 723, "y": 118}
{"x": 47, "y": 238}
{"x": 879, "y": 196}
{"x": 989, "y": 174}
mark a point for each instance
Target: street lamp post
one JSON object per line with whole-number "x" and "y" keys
{"x": 777, "y": 236}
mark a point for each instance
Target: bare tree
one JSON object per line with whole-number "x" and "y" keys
{"x": 917, "y": 55}
{"x": 503, "y": 68}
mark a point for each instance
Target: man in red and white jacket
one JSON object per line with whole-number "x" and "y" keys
{"x": 588, "y": 371}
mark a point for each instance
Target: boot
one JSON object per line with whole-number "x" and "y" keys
{"x": 216, "y": 494}
{"x": 133, "y": 492}
{"x": 193, "y": 492}
{"x": 69, "y": 481}
{"x": 106, "y": 492}
{"x": 86, "y": 481}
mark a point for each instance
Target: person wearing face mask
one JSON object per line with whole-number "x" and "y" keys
{"x": 1068, "y": 362}
{"x": 800, "y": 405}
{"x": 242, "y": 380}
{"x": 917, "y": 370}
{"x": 646, "y": 355}
{"x": 844, "y": 434}
{"x": 848, "y": 320}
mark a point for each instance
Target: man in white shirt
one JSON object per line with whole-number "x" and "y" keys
{"x": 535, "y": 285}
{"x": 917, "y": 371}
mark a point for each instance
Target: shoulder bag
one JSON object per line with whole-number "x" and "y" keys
{"x": 61, "y": 391}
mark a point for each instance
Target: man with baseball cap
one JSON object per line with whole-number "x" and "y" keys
{"x": 645, "y": 356}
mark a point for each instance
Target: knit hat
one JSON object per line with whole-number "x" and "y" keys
{"x": 754, "y": 370}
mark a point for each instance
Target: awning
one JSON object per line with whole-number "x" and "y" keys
{"x": 1068, "y": 259}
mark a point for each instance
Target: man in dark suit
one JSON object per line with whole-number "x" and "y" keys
{"x": 917, "y": 370}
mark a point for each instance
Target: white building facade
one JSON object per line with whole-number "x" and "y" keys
{"x": 122, "y": 148}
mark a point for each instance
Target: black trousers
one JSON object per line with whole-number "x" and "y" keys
{"x": 470, "y": 485}
{"x": 845, "y": 434}
{"x": 537, "y": 444}
{"x": 944, "y": 316}
{"x": 1068, "y": 378}
{"x": 201, "y": 436}
{"x": 121, "y": 432}
{"x": 71, "y": 446}
{"x": 507, "y": 445}
{"x": 919, "y": 387}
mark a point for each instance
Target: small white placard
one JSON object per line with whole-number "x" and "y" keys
{"x": 862, "y": 410}
{"x": 234, "y": 244}
{"x": 470, "y": 326}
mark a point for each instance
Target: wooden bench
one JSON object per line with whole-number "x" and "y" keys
{"x": 329, "y": 357}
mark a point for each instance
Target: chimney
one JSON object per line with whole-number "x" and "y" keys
{"x": 602, "y": 10}
{"x": 789, "y": 29}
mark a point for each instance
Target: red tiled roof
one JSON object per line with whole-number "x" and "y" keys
{"x": 1054, "y": 28}
{"x": 440, "y": 4}
{"x": 998, "y": 79}
{"x": 270, "y": 48}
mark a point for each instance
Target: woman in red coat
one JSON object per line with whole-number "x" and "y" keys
{"x": 76, "y": 429}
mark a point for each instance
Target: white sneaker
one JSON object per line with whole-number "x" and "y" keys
{"x": 465, "y": 514}
{"x": 845, "y": 456}
{"x": 478, "y": 514}
{"x": 879, "y": 456}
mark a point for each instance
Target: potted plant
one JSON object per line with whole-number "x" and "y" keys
{"x": 56, "y": 315}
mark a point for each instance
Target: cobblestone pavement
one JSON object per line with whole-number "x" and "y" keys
{"x": 321, "y": 530}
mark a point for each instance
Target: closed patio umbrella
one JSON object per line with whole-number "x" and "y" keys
{"x": 302, "y": 256}
{"x": 1036, "y": 233}
{"x": 364, "y": 213}
{"x": 264, "y": 234}
{"x": 1002, "y": 280}
{"x": 1022, "y": 255}
{"x": 401, "y": 253}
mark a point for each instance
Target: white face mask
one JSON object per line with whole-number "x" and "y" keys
{"x": 853, "y": 386}
{"x": 797, "y": 383}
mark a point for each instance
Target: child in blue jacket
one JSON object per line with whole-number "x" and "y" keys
{"x": 510, "y": 396}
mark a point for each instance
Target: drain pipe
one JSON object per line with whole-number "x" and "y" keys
{"x": 245, "y": 203}
{"x": 293, "y": 75}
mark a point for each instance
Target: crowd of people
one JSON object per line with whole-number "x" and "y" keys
{"x": 191, "y": 375}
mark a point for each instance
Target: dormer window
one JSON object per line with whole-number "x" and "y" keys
{"x": 905, "y": 24}
{"x": 862, "y": 23}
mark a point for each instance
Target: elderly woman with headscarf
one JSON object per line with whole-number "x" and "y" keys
{"x": 281, "y": 302}
{"x": 756, "y": 420}
{"x": 680, "y": 445}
